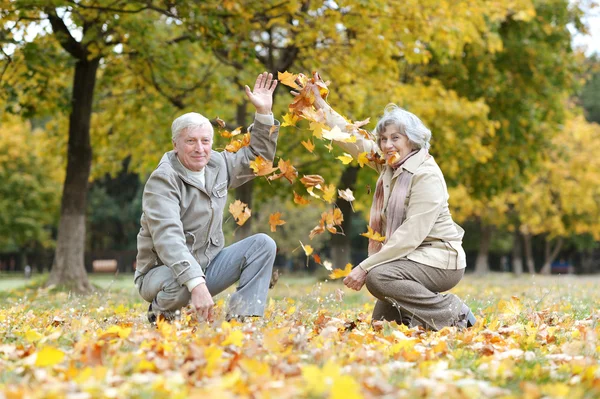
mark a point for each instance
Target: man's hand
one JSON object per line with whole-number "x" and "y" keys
{"x": 262, "y": 94}
{"x": 356, "y": 279}
{"x": 202, "y": 302}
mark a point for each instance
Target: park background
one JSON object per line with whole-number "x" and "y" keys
{"x": 89, "y": 91}
{"x": 510, "y": 90}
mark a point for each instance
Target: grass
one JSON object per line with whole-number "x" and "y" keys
{"x": 536, "y": 336}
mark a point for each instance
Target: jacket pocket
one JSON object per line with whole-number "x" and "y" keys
{"x": 220, "y": 190}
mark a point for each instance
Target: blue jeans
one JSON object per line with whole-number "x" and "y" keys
{"x": 250, "y": 261}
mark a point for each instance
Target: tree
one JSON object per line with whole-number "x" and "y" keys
{"x": 29, "y": 193}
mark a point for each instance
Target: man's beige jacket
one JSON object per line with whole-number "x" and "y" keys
{"x": 181, "y": 224}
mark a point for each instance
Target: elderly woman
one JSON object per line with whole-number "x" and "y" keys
{"x": 422, "y": 254}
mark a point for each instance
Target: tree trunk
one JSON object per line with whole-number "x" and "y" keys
{"x": 528, "y": 253}
{"x": 68, "y": 268}
{"x": 244, "y": 192}
{"x": 481, "y": 264}
{"x": 550, "y": 255}
{"x": 517, "y": 259}
{"x": 340, "y": 244}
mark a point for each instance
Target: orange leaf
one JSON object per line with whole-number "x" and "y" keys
{"x": 309, "y": 145}
{"x": 236, "y": 145}
{"x": 275, "y": 220}
{"x": 220, "y": 122}
{"x": 240, "y": 212}
{"x": 317, "y": 258}
{"x": 339, "y": 273}
{"x": 300, "y": 200}
{"x": 262, "y": 167}
{"x": 373, "y": 235}
{"x": 312, "y": 180}
{"x": 287, "y": 170}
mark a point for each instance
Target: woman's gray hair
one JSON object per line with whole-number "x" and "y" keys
{"x": 409, "y": 124}
{"x": 186, "y": 121}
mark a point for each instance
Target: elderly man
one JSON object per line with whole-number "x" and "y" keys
{"x": 180, "y": 244}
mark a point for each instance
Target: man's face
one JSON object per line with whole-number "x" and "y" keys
{"x": 193, "y": 147}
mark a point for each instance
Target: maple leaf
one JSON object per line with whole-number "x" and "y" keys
{"x": 288, "y": 79}
{"x": 309, "y": 145}
{"x": 362, "y": 159}
{"x": 220, "y": 122}
{"x": 317, "y": 258}
{"x": 346, "y": 158}
{"x": 287, "y": 170}
{"x": 375, "y": 158}
{"x": 347, "y": 195}
{"x": 339, "y": 273}
{"x": 395, "y": 158}
{"x": 236, "y": 144}
{"x": 240, "y": 212}
{"x": 317, "y": 129}
{"x": 320, "y": 229}
{"x": 300, "y": 200}
{"x": 312, "y": 180}
{"x": 373, "y": 235}
{"x": 307, "y": 249}
{"x": 337, "y": 135}
{"x": 329, "y": 193}
{"x": 262, "y": 167}
{"x": 275, "y": 220}
{"x": 289, "y": 120}
{"x": 328, "y": 265}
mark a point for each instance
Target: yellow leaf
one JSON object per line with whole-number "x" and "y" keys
{"x": 275, "y": 220}
{"x": 307, "y": 249}
{"x": 309, "y": 145}
{"x": 262, "y": 167}
{"x": 346, "y": 158}
{"x": 33, "y": 336}
{"x": 235, "y": 338}
{"x": 345, "y": 387}
{"x": 289, "y": 120}
{"x": 339, "y": 273}
{"x": 240, "y": 211}
{"x": 49, "y": 356}
{"x": 329, "y": 193}
{"x": 317, "y": 129}
{"x": 373, "y": 235}
{"x": 288, "y": 79}
{"x": 362, "y": 159}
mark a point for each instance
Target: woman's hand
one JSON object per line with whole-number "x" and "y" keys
{"x": 262, "y": 94}
{"x": 356, "y": 279}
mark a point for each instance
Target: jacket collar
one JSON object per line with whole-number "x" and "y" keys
{"x": 209, "y": 172}
{"x": 413, "y": 163}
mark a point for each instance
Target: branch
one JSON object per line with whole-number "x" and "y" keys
{"x": 8, "y": 62}
{"x": 66, "y": 40}
{"x": 109, "y": 8}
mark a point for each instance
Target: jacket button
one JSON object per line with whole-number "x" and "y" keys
{"x": 217, "y": 241}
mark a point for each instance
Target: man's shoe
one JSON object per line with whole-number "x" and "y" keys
{"x": 166, "y": 316}
{"x": 151, "y": 315}
{"x": 466, "y": 318}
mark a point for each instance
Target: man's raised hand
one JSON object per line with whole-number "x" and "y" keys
{"x": 262, "y": 94}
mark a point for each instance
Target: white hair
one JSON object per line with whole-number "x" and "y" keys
{"x": 191, "y": 120}
{"x": 409, "y": 124}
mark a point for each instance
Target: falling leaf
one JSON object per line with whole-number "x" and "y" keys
{"x": 287, "y": 170}
{"x": 373, "y": 235}
{"x": 49, "y": 356}
{"x": 317, "y": 258}
{"x": 328, "y": 265}
{"x": 362, "y": 159}
{"x": 346, "y": 158}
{"x": 312, "y": 180}
{"x": 288, "y": 79}
{"x": 274, "y": 221}
{"x": 262, "y": 167}
{"x": 337, "y": 135}
{"x": 394, "y": 159}
{"x": 346, "y": 194}
{"x": 307, "y": 249}
{"x": 289, "y": 120}
{"x": 236, "y": 144}
{"x": 309, "y": 145}
{"x": 240, "y": 212}
{"x": 375, "y": 158}
{"x": 329, "y": 193}
{"x": 300, "y": 200}
{"x": 339, "y": 273}
{"x": 220, "y": 122}
{"x": 317, "y": 129}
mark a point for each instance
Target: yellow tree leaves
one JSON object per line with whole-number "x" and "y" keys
{"x": 240, "y": 212}
{"x": 262, "y": 167}
{"x": 330, "y": 221}
{"x": 370, "y": 234}
{"x": 339, "y": 273}
{"x": 275, "y": 220}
